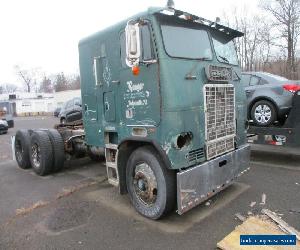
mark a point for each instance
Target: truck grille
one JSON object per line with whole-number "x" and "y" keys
{"x": 219, "y": 119}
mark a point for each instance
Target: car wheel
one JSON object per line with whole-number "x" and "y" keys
{"x": 58, "y": 149}
{"x": 41, "y": 153}
{"x": 151, "y": 186}
{"x": 263, "y": 113}
{"x": 22, "y": 145}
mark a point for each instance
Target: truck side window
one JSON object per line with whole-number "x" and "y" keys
{"x": 147, "y": 48}
{"x": 146, "y": 44}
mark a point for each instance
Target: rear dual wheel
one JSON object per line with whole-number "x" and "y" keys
{"x": 46, "y": 151}
{"x": 43, "y": 150}
{"x": 22, "y": 145}
{"x": 58, "y": 149}
{"x": 41, "y": 153}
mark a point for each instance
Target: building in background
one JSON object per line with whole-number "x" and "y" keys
{"x": 28, "y": 104}
{"x": 62, "y": 96}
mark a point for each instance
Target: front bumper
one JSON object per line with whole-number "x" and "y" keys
{"x": 201, "y": 182}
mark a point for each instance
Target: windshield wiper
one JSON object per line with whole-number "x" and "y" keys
{"x": 224, "y": 59}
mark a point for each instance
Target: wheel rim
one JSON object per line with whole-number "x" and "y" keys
{"x": 19, "y": 150}
{"x": 36, "y": 155}
{"x": 145, "y": 184}
{"x": 263, "y": 113}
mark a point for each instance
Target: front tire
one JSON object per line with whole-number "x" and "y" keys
{"x": 151, "y": 186}
{"x": 263, "y": 113}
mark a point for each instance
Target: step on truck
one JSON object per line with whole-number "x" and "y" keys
{"x": 162, "y": 99}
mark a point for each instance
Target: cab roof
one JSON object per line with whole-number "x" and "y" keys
{"x": 230, "y": 33}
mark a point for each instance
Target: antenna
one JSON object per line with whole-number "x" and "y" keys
{"x": 170, "y": 4}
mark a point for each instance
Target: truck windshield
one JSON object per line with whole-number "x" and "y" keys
{"x": 186, "y": 42}
{"x": 225, "y": 50}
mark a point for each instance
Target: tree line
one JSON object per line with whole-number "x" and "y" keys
{"x": 269, "y": 44}
{"x": 34, "y": 80}
{"x": 270, "y": 38}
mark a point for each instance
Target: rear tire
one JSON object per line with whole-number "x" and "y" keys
{"x": 57, "y": 148}
{"x": 41, "y": 153}
{"x": 151, "y": 186}
{"x": 22, "y": 145}
{"x": 263, "y": 113}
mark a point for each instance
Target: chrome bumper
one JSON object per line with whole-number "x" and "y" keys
{"x": 201, "y": 182}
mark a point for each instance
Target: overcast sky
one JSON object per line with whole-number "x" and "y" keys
{"x": 45, "y": 33}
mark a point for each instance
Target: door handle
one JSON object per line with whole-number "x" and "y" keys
{"x": 115, "y": 81}
{"x": 106, "y": 106}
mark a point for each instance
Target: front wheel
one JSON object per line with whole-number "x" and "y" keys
{"x": 151, "y": 186}
{"x": 263, "y": 113}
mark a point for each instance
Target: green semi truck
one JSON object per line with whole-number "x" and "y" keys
{"x": 162, "y": 99}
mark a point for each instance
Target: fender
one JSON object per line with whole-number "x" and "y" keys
{"x": 126, "y": 147}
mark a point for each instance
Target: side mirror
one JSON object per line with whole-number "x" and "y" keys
{"x": 133, "y": 48}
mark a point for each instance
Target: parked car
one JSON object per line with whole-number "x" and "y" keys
{"x": 3, "y": 127}
{"x": 56, "y": 112}
{"x": 269, "y": 97}
{"x": 7, "y": 114}
{"x": 71, "y": 111}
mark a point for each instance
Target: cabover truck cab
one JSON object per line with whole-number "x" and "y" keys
{"x": 161, "y": 93}
{"x": 162, "y": 99}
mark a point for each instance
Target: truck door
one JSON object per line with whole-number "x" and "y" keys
{"x": 92, "y": 96}
{"x": 140, "y": 94}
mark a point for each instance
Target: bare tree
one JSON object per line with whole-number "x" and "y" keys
{"x": 46, "y": 85}
{"x": 61, "y": 82}
{"x": 28, "y": 76}
{"x": 286, "y": 15}
{"x": 66, "y": 82}
{"x": 8, "y": 88}
{"x": 250, "y": 46}
{"x": 74, "y": 82}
